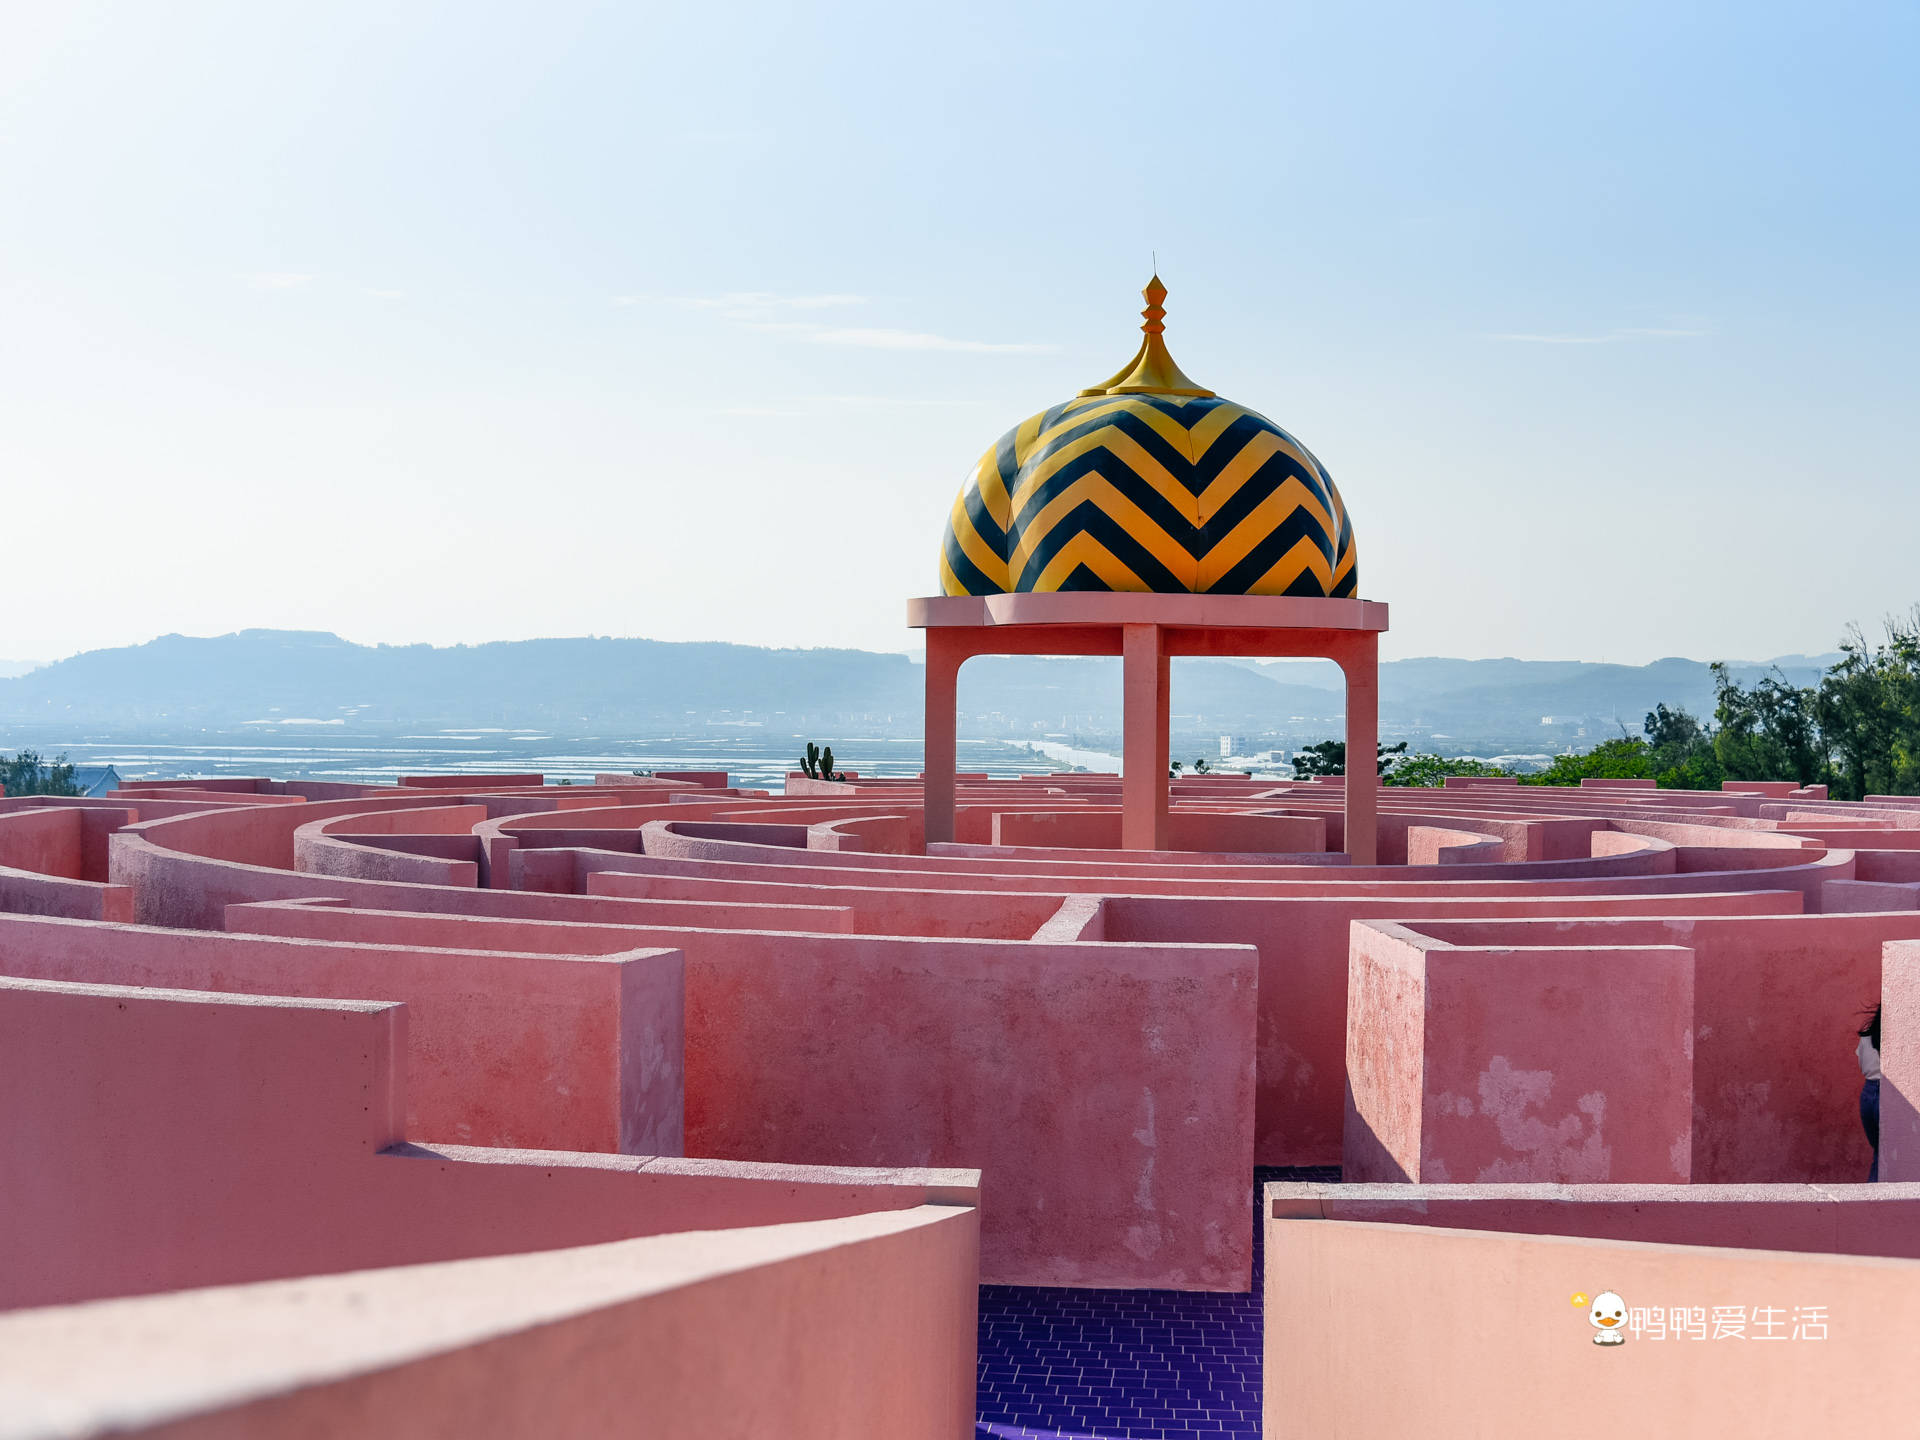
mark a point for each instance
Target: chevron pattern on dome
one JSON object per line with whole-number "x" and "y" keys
{"x": 1153, "y": 492}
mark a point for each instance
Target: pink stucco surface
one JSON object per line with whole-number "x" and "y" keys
{"x": 1610, "y": 982}
{"x": 165, "y": 1138}
{"x": 1303, "y": 946}
{"x": 1777, "y": 1000}
{"x": 1900, "y": 1061}
{"x": 859, "y": 1328}
{"x": 1112, "y": 1155}
{"x": 1818, "y": 1219}
{"x": 1486, "y": 1345}
{"x": 1485, "y": 1064}
{"x": 558, "y": 1052}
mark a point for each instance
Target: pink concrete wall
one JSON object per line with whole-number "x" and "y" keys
{"x": 874, "y": 834}
{"x": 1088, "y": 828}
{"x": 562, "y": 1053}
{"x": 428, "y": 845}
{"x": 1299, "y": 1117}
{"x": 860, "y": 1328}
{"x": 1503, "y": 1065}
{"x": 45, "y": 841}
{"x": 53, "y": 861}
{"x": 1776, "y": 1002}
{"x": 177, "y": 1139}
{"x": 469, "y": 782}
{"x": 1817, "y": 1219}
{"x": 141, "y": 1105}
{"x": 1430, "y": 845}
{"x": 1511, "y": 1359}
{"x": 1106, "y": 1091}
{"x": 982, "y": 914}
{"x": 1120, "y": 1127}
{"x": 1900, "y": 1062}
{"x": 1840, "y": 897}
{"x": 1900, "y": 866}
{"x": 23, "y": 892}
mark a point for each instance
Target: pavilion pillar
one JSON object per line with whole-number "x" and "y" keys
{"x": 1144, "y": 757}
{"x": 945, "y": 655}
{"x": 1360, "y": 662}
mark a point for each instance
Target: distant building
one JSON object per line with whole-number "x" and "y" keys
{"x": 1229, "y": 745}
{"x": 95, "y": 780}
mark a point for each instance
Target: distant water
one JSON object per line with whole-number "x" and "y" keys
{"x": 295, "y": 752}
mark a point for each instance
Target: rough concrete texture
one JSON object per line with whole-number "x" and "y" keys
{"x": 329, "y": 991}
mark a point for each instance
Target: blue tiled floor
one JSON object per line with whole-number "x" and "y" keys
{"x": 1118, "y": 1364}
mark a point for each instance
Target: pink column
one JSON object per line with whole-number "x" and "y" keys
{"x": 1143, "y": 791}
{"x": 1360, "y": 661}
{"x": 945, "y": 654}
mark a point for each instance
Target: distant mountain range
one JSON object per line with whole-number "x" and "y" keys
{"x": 287, "y": 677}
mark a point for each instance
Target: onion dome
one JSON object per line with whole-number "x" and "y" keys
{"x": 1147, "y": 482}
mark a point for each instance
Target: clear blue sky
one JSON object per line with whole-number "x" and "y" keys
{"x": 463, "y": 322}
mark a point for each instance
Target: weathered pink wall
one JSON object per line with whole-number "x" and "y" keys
{"x": 1491, "y": 1065}
{"x": 562, "y": 1053}
{"x": 873, "y": 910}
{"x": 1818, "y": 1219}
{"x": 24, "y": 893}
{"x": 1486, "y": 1346}
{"x": 133, "y": 1113}
{"x": 1303, "y": 980}
{"x": 1197, "y": 830}
{"x": 1431, "y": 845}
{"x": 1106, "y": 1091}
{"x": 1776, "y": 1002}
{"x": 1840, "y": 897}
{"x": 851, "y": 1329}
{"x": 174, "y": 1138}
{"x": 1900, "y": 1062}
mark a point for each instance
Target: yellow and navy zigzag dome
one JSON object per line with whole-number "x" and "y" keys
{"x": 1147, "y": 482}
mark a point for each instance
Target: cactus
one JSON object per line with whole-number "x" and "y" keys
{"x": 817, "y": 763}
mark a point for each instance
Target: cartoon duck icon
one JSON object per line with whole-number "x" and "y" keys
{"x": 1608, "y": 1316}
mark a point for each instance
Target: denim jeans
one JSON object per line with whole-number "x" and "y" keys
{"x": 1870, "y": 1122}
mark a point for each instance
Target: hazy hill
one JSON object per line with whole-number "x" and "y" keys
{"x": 268, "y": 676}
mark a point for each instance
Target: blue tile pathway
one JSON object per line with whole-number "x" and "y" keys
{"x": 1064, "y": 1364}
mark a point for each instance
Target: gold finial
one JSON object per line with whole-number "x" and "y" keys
{"x": 1151, "y": 371}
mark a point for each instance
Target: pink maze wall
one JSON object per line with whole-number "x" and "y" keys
{"x": 1113, "y": 1038}
{"x": 1092, "y": 1083}
{"x": 247, "y": 1137}
{"x": 1489, "y": 1344}
{"x": 558, "y": 1053}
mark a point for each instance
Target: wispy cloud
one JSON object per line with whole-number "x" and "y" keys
{"x": 277, "y": 280}
{"x": 919, "y": 340}
{"x": 744, "y": 302}
{"x": 1609, "y": 337}
{"x": 812, "y": 405}
{"x": 765, "y": 311}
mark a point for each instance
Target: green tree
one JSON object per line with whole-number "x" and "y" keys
{"x": 1680, "y": 751}
{"x": 1868, "y": 713}
{"x": 28, "y": 774}
{"x": 1431, "y": 771}
{"x": 1771, "y": 732}
{"x": 1628, "y": 758}
{"x": 1329, "y": 757}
